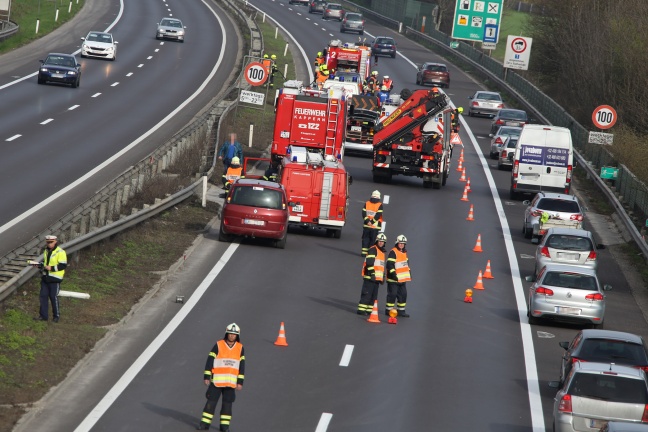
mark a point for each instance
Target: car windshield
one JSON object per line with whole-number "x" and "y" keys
{"x": 436, "y": 68}
{"x": 569, "y": 242}
{"x": 257, "y": 196}
{"x": 353, "y": 17}
{"x": 609, "y": 387}
{"x": 99, "y": 37}
{"x": 385, "y": 41}
{"x": 558, "y": 205}
{"x": 171, "y": 23}
{"x": 60, "y": 61}
{"x": 512, "y": 114}
{"x": 607, "y": 350}
{"x": 488, "y": 96}
{"x": 570, "y": 280}
{"x": 508, "y": 130}
{"x": 334, "y": 7}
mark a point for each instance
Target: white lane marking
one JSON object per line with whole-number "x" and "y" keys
{"x": 323, "y": 424}
{"x": 156, "y": 50}
{"x": 96, "y": 94}
{"x": 73, "y": 107}
{"x": 298, "y": 13}
{"x": 545, "y": 335}
{"x": 525, "y": 256}
{"x": 346, "y": 355}
{"x": 132, "y": 145}
{"x": 129, "y": 74}
{"x": 315, "y": 23}
{"x": 307, "y": 19}
{"x": 93, "y": 417}
{"x": 47, "y": 121}
{"x": 331, "y": 34}
{"x": 115, "y": 84}
{"x": 13, "y": 137}
{"x": 386, "y": 199}
{"x": 323, "y": 29}
{"x": 140, "y": 65}
{"x": 149, "y": 57}
{"x": 162, "y": 43}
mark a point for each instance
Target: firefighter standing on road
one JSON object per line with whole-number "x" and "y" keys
{"x": 267, "y": 64}
{"x": 373, "y": 273}
{"x": 224, "y": 374}
{"x": 234, "y": 172}
{"x": 455, "y": 119}
{"x": 322, "y": 75}
{"x": 372, "y": 217}
{"x": 371, "y": 83}
{"x": 398, "y": 274}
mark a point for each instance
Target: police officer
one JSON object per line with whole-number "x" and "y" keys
{"x": 398, "y": 274}
{"x": 224, "y": 374}
{"x": 233, "y": 173}
{"x": 372, "y": 217}
{"x": 52, "y": 269}
{"x": 373, "y": 274}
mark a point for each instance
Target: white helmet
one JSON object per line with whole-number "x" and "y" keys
{"x": 381, "y": 237}
{"x": 401, "y": 239}
{"x": 386, "y": 77}
{"x": 233, "y": 329}
{"x": 236, "y": 160}
{"x": 375, "y": 194}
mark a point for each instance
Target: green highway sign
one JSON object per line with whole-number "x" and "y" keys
{"x": 477, "y": 20}
{"x": 609, "y": 173}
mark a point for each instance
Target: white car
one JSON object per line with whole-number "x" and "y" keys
{"x": 99, "y": 44}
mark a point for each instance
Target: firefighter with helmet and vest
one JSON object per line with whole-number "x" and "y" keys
{"x": 224, "y": 374}
{"x": 233, "y": 173}
{"x": 373, "y": 275}
{"x": 398, "y": 274}
{"x": 320, "y": 59}
{"x": 273, "y": 69}
{"x": 455, "y": 119}
{"x": 387, "y": 82}
{"x": 322, "y": 75}
{"x": 372, "y": 217}
{"x": 370, "y": 85}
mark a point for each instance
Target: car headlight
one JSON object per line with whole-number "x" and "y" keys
{"x": 161, "y": 30}
{"x": 71, "y": 73}
{"x": 181, "y": 32}
{"x": 43, "y": 69}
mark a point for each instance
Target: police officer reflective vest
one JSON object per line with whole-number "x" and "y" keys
{"x": 225, "y": 371}
{"x": 57, "y": 257}
{"x": 400, "y": 272}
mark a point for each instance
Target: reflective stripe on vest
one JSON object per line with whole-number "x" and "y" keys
{"x": 58, "y": 256}
{"x": 402, "y": 266}
{"x": 226, "y": 364}
{"x": 233, "y": 173}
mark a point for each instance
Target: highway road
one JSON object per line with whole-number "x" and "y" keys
{"x": 450, "y": 367}
{"x": 53, "y": 136}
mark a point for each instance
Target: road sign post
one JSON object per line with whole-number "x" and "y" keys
{"x": 477, "y": 20}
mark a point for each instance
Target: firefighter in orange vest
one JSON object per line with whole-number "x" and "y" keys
{"x": 267, "y": 64}
{"x": 373, "y": 273}
{"x": 234, "y": 172}
{"x": 320, "y": 59}
{"x": 398, "y": 274}
{"x": 455, "y": 119}
{"x": 224, "y": 374}
{"x": 322, "y": 75}
{"x": 372, "y": 217}
{"x": 387, "y": 82}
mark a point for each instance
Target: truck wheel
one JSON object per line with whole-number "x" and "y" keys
{"x": 281, "y": 243}
{"x": 427, "y": 184}
{"x": 405, "y": 94}
{"x": 445, "y": 178}
{"x": 335, "y": 233}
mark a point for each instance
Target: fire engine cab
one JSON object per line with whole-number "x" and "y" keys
{"x": 351, "y": 63}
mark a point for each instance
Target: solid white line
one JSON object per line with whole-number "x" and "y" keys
{"x": 386, "y": 199}
{"x": 96, "y": 94}
{"x": 47, "y": 121}
{"x": 93, "y": 417}
{"x": 322, "y": 426}
{"x": 114, "y": 84}
{"x": 130, "y": 146}
{"x": 346, "y": 355}
{"x": 13, "y": 137}
{"x": 73, "y": 107}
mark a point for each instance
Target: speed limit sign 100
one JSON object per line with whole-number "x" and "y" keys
{"x": 255, "y": 74}
{"x": 604, "y": 117}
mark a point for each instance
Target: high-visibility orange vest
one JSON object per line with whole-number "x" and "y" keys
{"x": 387, "y": 83}
{"x": 267, "y": 64}
{"x": 371, "y": 209}
{"x": 233, "y": 173}
{"x": 378, "y": 267}
{"x": 401, "y": 266}
{"x": 225, "y": 371}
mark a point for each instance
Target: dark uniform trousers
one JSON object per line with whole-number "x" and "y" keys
{"x": 396, "y": 296}
{"x": 368, "y": 238}
{"x": 368, "y": 295}
{"x": 212, "y": 395}
{"x": 49, "y": 292}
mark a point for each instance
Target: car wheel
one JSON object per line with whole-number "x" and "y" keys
{"x": 427, "y": 184}
{"x": 532, "y": 320}
{"x": 500, "y": 166}
{"x": 75, "y": 84}
{"x": 436, "y": 185}
{"x": 393, "y": 55}
{"x": 341, "y": 30}
{"x": 493, "y": 155}
{"x": 83, "y": 56}
{"x": 512, "y": 194}
{"x": 281, "y": 243}
{"x": 222, "y": 237}
{"x": 362, "y": 32}
{"x": 445, "y": 178}
{"x": 470, "y": 113}
{"x": 41, "y": 80}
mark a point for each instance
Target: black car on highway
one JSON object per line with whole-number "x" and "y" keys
{"x": 60, "y": 68}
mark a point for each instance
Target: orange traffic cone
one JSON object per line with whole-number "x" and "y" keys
{"x": 471, "y": 216}
{"x": 281, "y": 339}
{"x": 478, "y": 247}
{"x": 479, "y": 285}
{"x": 463, "y": 175}
{"x": 468, "y": 185}
{"x": 487, "y": 272}
{"x": 461, "y": 159}
{"x": 468, "y": 298}
{"x": 374, "y": 313}
{"x": 460, "y": 166}
{"x": 465, "y": 195}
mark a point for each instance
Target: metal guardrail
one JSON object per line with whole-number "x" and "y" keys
{"x": 90, "y": 222}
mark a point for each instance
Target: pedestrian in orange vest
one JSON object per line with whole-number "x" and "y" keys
{"x": 398, "y": 274}
{"x": 372, "y": 217}
{"x": 373, "y": 273}
{"x": 224, "y": 374}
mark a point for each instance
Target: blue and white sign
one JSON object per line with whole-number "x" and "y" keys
{"x": 547, "y": 156}
{"x": 490, "y": 33}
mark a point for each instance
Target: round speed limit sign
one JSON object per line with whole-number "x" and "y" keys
{"x": 255, "y": 74}
{"x": 604, "y": 117}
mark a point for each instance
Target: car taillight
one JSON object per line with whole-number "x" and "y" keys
{"x": 545, "y": 252}
{"x": 566, "y": 404}
{"x": 576, "y": 359}
{"x": 499, "y": 121}
{"x": 591, "y": 256}
{"x": 578, "y": 217}
{"x": 644, "y": 417}
{"x": 595, "y": 297}
{"x": 498, "y": 140}
{"x": 516, "y": 169}
{"x": 500, "y": 106}
{"x": 475, "y": 104}
{"x": 545, "y": 291}
{"x": 328, "y": 10}
{"x": 569, "y": 173}
{"x": 503, "y": 153}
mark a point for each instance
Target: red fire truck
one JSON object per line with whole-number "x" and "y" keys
{"x": 348, "y": 58}
{"x": 411, "y": 141}
{"x": 309, "y": 118}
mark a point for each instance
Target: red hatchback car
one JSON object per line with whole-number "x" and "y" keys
{"x": 433, "y": 73}
{"x": 255, "y": 208}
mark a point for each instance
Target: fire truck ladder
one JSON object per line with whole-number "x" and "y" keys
{"x": 332, "y": 126}
{"x": 364, "y": 62}
{"x": 432, "y": 107}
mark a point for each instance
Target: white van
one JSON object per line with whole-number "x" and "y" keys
{"x": 543, "y": 161}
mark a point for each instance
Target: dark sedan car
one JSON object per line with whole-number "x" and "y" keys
{"x": 385, "y": 46}
{"x": 433, "y": 73}
{"x": 509, "y": 117}
{"x": 60, "y": 68}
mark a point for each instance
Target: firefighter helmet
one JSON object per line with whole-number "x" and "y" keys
{"x": 375, "y": 194}
{"x": 236, "y": 160}
{"x": 319, "y": 54}
{"x": 233, "y": 329}
{"x": 265, "y": 56}
{"x": 374, "y": 73}
{"x": 460, "y": 110}
{"x": 273, "y": 57}
{"x": 383, "y": 88}
{"x": 386, "y": 77}
{"x": 381, "y": 237}
{"x": 435, "y": 90}
{"x": 401, "y": 239}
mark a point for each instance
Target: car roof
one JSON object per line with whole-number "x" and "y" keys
{"x": 569, "y": 268}
{"x": 611, "y": 334}
{"x": 258, "y": 182}
{"x": 596, "y": 367}
{"x": 434, "y": 64}
{"x": 60, "y": 54}
{"x": 170, "y": 19}
{"x": 569, "y": 231}
{"x": 487, "y": 92}
{"x": 100, "y": 33}
{"x": 554, "y": 195}
{"x": 351, "y": 14}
